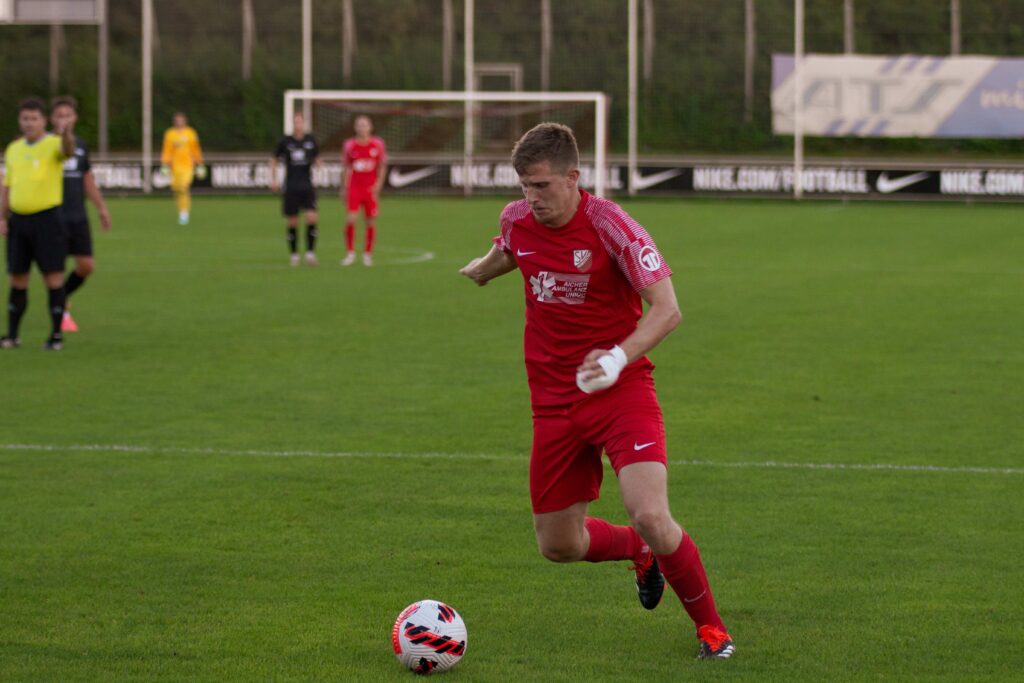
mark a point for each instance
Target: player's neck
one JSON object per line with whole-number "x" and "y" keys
{"x": 563, "y": 219}
{"x": 32, "y": 139}
{"x": 362, "y": 140}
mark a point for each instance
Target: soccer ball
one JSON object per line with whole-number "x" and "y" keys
{"x": 428, "y": 637}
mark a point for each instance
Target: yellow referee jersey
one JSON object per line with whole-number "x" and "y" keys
{"x": 35, "y": 174}
{"x": 181, "y": 149}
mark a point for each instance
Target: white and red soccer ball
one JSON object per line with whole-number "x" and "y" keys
{"x": 429, "y": 637}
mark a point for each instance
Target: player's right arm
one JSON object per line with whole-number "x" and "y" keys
{"x": 495, "y": 263}
{"x": 3, "y": 210}
{"x": 4, "y": 196}
{"x": 165, "y": 155}
{"x": 346, "y": 177}
{"x": 274, "y": 185}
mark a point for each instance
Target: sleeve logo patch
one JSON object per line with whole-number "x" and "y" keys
{"x": 649, "y": 259}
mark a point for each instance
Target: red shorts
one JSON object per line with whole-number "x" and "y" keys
{"x": 360, "y": 197}
{"x": 624, "y": 421}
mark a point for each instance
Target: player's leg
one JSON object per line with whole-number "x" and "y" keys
{"x": 19, "y": 262}
{"x": 562, "y": 535}
{"x": 634, "y": 438}
{"x": 290, "y": 210}
{"x": 644, "y": 488}
{"x": 17, "y": 303}
{"x": 372, "y": 208}
{"x": 55, "y": 291}
{"x": 350, "y": 229}
{"x": 51, "y": 254}
{"x": 80, "y": 247}
{"x": 309, "y": 203}
{"x": 565, "y": 475}
{"x": 181, "y": 184}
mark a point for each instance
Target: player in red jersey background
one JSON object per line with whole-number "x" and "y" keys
{"x": 365, "y": 160}
{"x": 587, "y": 266}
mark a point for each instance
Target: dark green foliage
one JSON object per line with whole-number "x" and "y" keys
{"x": 693, "y": 102}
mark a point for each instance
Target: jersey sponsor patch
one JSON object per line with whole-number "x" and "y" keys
{"x": 563, "y": 288}
{"x": 649, "y": 259}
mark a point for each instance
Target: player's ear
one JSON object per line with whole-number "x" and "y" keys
{"x": 573, "y": 175}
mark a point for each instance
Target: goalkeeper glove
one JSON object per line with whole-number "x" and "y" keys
{"x": 201, "y": 171}
{"x": 165, "y": 169}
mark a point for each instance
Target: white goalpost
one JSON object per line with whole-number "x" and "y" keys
{"x": 458, "y": 127}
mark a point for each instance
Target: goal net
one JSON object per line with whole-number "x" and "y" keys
{"x": 455, "y": 141}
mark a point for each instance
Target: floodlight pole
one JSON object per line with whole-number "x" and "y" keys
{"x": 307, "y": 55}
{"x": 103, "y": 67}
{"x": 632, "y": 143}
{"x": 147, "y": 96}
{"x": 469, "y": 86}
{"x": 798, "y": 91}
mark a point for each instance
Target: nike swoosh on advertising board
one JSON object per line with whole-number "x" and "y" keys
{"x": 886, "y": 185}
{"x": 641, "y": 182}
{"x": 399, "y": 179}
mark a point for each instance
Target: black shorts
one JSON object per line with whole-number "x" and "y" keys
{"x": 79, "y": 237}
{"x": 296, "y": 200}
{"x": 38, "y": 237}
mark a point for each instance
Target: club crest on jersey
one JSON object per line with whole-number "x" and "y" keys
{"x": 562, "y": 288}
{"x": 582, "y": 259}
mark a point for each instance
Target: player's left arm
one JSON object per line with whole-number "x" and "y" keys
{"x": 382, "y": 172}
{"x": 662, "y": 317}
{"x": 92, "y": 190}
{"x": 197, "y": 151}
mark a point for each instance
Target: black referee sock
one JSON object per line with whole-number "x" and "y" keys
{"x": 293, "y": 240}
{"x": 16, "y": 306}
{"x": 57, "y": 300}
{"x": 311, "y": 234}
{"x": 73, "y": 282}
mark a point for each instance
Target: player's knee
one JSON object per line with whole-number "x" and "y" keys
{"x": 85, "y": 268}
{"x": 652, "y": 524}
{"x": 559, "y": 551}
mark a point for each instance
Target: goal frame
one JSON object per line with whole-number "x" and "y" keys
{"x": 599, "y": 99}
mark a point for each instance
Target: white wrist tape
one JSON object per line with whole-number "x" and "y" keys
{"x": 612, "y": 363}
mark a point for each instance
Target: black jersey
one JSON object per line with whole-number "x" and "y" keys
{"x": 75, "y": 168}
{"x": 298, "y": 156}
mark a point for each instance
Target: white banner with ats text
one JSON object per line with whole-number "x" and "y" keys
{"x": 906, "y": 96}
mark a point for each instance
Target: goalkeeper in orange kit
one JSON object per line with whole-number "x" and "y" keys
{"x": 181, "y": 158}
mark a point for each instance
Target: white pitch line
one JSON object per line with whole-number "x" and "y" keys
{"x": 767, "y": 464}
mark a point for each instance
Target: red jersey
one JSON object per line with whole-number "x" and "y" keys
{"x": 582, "y": 284}
{"x": 365, "y": 159}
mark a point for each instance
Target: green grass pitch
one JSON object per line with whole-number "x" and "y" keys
{"x": 242, "y": 471}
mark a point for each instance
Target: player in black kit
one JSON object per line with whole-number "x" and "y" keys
{"x": 299, "y": 152}
{"x": 78, "y": 183}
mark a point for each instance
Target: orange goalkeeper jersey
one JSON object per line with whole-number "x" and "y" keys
{"x": 181, "y": 148}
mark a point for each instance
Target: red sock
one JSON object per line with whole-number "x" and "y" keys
{"x": 350, "y": 236}
{"x": 685, "y": 573}
{"x": 610, "y": 542}
{"x": 371, "y": 235}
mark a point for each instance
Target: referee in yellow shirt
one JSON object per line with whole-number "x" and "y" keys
{"x": 180, "y": 158}
{"x": 33, "y": 190}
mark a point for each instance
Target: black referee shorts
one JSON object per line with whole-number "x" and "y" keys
{"x": 79, "y": 237}
{"x": 296, "y": 200}
{"x": 38, "y": 237}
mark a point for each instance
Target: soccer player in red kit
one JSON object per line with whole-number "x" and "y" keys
{"x": 365, "y": 160}
{"x": 587, "y": 265}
